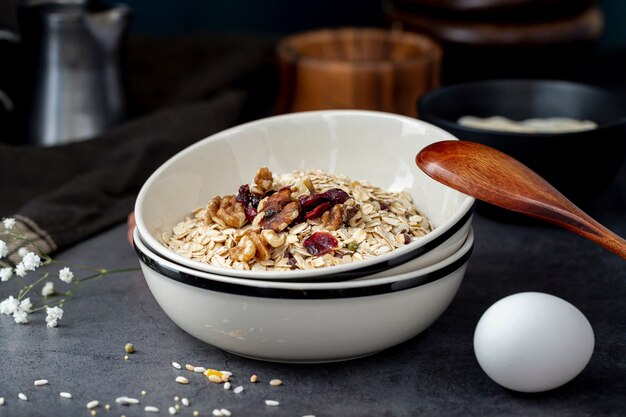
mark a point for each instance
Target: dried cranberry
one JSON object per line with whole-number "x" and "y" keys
{"x": 317, "y": 211}
{"x": 320, "y": 243}
{"x": 250, "y": 213}
{"x": 308, "y": 202}
{"x": 291, "y": 259}
{"x": 336, "y": 196}
{"x": 383, "y": 205}
{"x": 244, "y": 194}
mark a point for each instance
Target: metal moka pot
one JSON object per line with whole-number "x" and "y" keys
{"x": 77, "y": 89}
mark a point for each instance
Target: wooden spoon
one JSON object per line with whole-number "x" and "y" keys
{"x": 492, "y": 176}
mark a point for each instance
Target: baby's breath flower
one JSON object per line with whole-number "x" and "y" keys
{"x": 31, "y": 261}
{"x": 4, "y": 249}
{"x": 26, "y": 305}
{"x": 47, "y": 289}
{"x": 9, "y": 306}
{"x": 22, "y": 251}
{"x": 53, "y": 315}
{"x": 20, "y": 316}
{"x": 20, "y": 270}
{"x": 9, "y": 222}
{"x": 5, "y": 274}
{"x": 66, "y": 275}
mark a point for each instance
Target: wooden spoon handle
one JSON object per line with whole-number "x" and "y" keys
{"x": 594, "y": 231}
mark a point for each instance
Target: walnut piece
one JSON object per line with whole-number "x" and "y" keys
{"x": 263, "y": 179}
{"x": 226, "y": 211}
{"x": 274, "y": 239}
{"x": 244, "y": 251}
{"x": 262, "y": 253}
{"x": 336, "y": 217}
{"x": 278, "y": 210}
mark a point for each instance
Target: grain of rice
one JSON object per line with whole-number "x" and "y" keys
{"x": 227, "y": 373}
{"x": 127, "y": 400}
{"x": 176, "y": 365}
{"x": 217, "y": 413}
{"x": 171, "y": 410}
{"x": 92, "y": 404}
{"x": 41, "y": 382}
{"x": 65, "y": 395}
{"x": 1, "y": 400}
{"x": 238, "y": 390}
{"x": 272, "y": 403}
{"x": 199, "y": 369}
{"x": 177, "y": 407}
{"x": 227, "y": 385}
{"x": 182, "y": 380}
{"x": 107, "y": 407}
{"x": 151, "y": 409}
{"x": 215, "y": 378}
{"x": 93, "y": 412}
{"x": 225, "y": 412}
{"x": 196, "y": 413}
{"x": 177, "y": 398}
{"x": 276, "y": 382}
{"x": 185, "y": 402}
{"x": 22, "y": 396}
{"x": 144, "y": 393}
{"x": 189, "y": 367}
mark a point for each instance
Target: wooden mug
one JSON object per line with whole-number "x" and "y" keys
{"x": 350, "y": 68}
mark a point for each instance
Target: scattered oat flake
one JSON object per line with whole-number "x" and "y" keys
{"x": 65, "y": 395}
{"x": 185, "y": 402}
{"x": 92, "y": 404}
{"x": 238, "y": 390}
{"x": 225, "y": 412}
{"x": 176, "y": 365}
{"x": 272, "y": 403}
{"x": 151, "y": 409}
{"x": 276, "y": 382}
{"x": 182, "y": 380}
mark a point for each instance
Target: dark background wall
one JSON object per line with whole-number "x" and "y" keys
{"x": 277, "y": 17}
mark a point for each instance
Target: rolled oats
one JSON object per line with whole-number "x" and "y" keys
{"x": 373, "y": 221}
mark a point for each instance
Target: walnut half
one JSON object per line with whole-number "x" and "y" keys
{"x": 278, "y": 210}
{"x": 226, "y": 211}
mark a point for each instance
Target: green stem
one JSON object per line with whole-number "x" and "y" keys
{"x": 29, "y": 287}
{"x": 61, "y": 301}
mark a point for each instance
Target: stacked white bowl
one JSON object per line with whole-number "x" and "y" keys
{"x": 312, "y": 315}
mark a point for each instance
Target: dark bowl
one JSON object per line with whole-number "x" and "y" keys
{"x": 579, "y": 164}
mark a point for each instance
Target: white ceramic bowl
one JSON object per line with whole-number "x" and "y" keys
{"x": 378, "y": 147}
{"x": 302, "y": 322}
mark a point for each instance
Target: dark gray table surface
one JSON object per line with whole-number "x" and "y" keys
{"x": 436, "y": 373}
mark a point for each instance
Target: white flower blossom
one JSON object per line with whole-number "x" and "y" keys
{"x": 9, "y": 223}
{"x": 66, "y": 275}
{"x": 53, "y": 315}
{"x": 22, "y": 251}
{"x": 20, "y": 316}
{"x": 6, "y": 274}
{"x": 20, "y": 270}
{"x": 4, "y": 249}
{"x": 9, "y": 306}
{"x": 26, "y": 305}
{"x": 47, "y": 289}
{"x": 31, "y": 261}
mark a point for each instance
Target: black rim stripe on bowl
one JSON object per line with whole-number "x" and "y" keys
{"x": 383, "y": 266}
{"x": 300, "y": 294}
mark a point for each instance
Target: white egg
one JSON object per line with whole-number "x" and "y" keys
{"x": 532, "y": 342}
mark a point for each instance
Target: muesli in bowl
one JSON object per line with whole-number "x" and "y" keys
{"x": 297, "y": 221}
